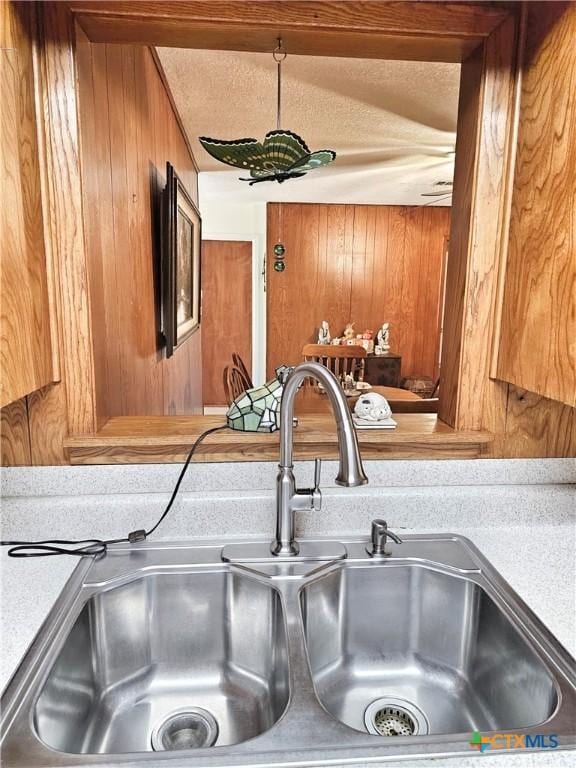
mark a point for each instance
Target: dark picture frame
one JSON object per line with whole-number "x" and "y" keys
{"x": 181, "y": 247}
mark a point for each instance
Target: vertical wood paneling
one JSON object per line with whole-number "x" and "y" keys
{"x": 226, "y": 312}
{"x": 391, "y": 236}
{"x": 538, "y": 330}
{"x": 360, "y": 263}
{"x": 129, "y": 131}
{"x": 14, "y": 435}
{"x": 430, "y": 293}
{"x": 411, "y": 281}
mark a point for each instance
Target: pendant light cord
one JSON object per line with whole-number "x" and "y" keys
{"x": 279, "y": 54}
{"x": 279, "y": 100}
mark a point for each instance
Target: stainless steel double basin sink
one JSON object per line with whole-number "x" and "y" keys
{"x": 165, "y": 653}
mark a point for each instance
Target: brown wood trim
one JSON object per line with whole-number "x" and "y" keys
{"x": 52, "y": 269}
{"x": 65, "y": 222}
{"x": 135, "y": 439}
{"x": 437, "y": 18}
{"x": 469, "y": 399}
{"x": 516, "y": 97}
{"x": 465, "y": 182}
{"x": 428, "y": 31}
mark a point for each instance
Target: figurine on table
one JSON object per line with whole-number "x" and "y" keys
{"x": 372, "y": 407}
{"x": 349, "y": 334}
{"x": 383, "y": 339}
{"x": 324, "y": 333}
{"x": 349, "y": 383}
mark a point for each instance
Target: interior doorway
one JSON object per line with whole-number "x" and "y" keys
{"x": 226, "y": 313}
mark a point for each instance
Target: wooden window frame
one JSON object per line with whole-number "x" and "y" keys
{"x": 484, "y": 37}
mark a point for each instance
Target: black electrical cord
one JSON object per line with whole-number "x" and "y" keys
{"x": 99, "y": 546}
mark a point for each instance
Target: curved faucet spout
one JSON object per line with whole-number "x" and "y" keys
{"x": 350, "y": 473}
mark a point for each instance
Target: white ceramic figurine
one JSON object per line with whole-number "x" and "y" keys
{"x": 324, "y": 333}
{"x": 383, "y": 339}
{"x": 372, "y": 407}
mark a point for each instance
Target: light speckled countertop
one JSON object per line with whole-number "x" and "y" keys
{"x": 525, "y": 526}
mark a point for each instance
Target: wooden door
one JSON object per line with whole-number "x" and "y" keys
{"x": 226, "y": 319}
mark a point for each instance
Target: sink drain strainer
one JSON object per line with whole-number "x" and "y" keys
{"x": 191, "y": 728}
{"x": 392, "y": 721}
{"x": 391, "y": 716}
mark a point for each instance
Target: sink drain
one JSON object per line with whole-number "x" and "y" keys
{"x": 391, "y": 716}
{"x": 392, "y": 721}
{"x": 186, "y": 729}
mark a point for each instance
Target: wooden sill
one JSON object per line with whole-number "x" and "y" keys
{"x": 159, "y": 439}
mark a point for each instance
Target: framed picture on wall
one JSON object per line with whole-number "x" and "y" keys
{"x": 180, "y": 273}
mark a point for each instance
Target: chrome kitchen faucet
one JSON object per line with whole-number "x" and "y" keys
{"x": 290, "y": 499}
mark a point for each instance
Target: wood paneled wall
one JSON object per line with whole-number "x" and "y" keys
{"x": 538, "y": 330}
{"x": 129, "y": 130}
{"x": 361, "y": 263}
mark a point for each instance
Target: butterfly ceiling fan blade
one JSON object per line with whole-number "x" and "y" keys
{"x": 240, "y": 153}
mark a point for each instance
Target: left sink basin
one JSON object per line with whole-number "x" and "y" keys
{"x": 168, "y": 661}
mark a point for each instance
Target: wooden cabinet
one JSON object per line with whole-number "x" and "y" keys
{"x": 537, "y": 350}
{"x": 25, "y": 338}
{"x": 383, "y": 370}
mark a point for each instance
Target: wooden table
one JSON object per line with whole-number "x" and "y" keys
{"x": 310, "y": 400}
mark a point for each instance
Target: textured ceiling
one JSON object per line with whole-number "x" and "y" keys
{"x": 392, "y": 123}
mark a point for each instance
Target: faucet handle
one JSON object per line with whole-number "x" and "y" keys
{"x": 316, "y": 492}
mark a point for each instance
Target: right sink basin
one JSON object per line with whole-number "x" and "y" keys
{"x": 411, "y": 650}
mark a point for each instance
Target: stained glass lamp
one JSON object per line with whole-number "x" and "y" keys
{"x": 258, "y": 409}
{"x": 282, "y": 155}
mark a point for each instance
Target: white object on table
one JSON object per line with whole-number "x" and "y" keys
{"x": 372, "y": 407}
